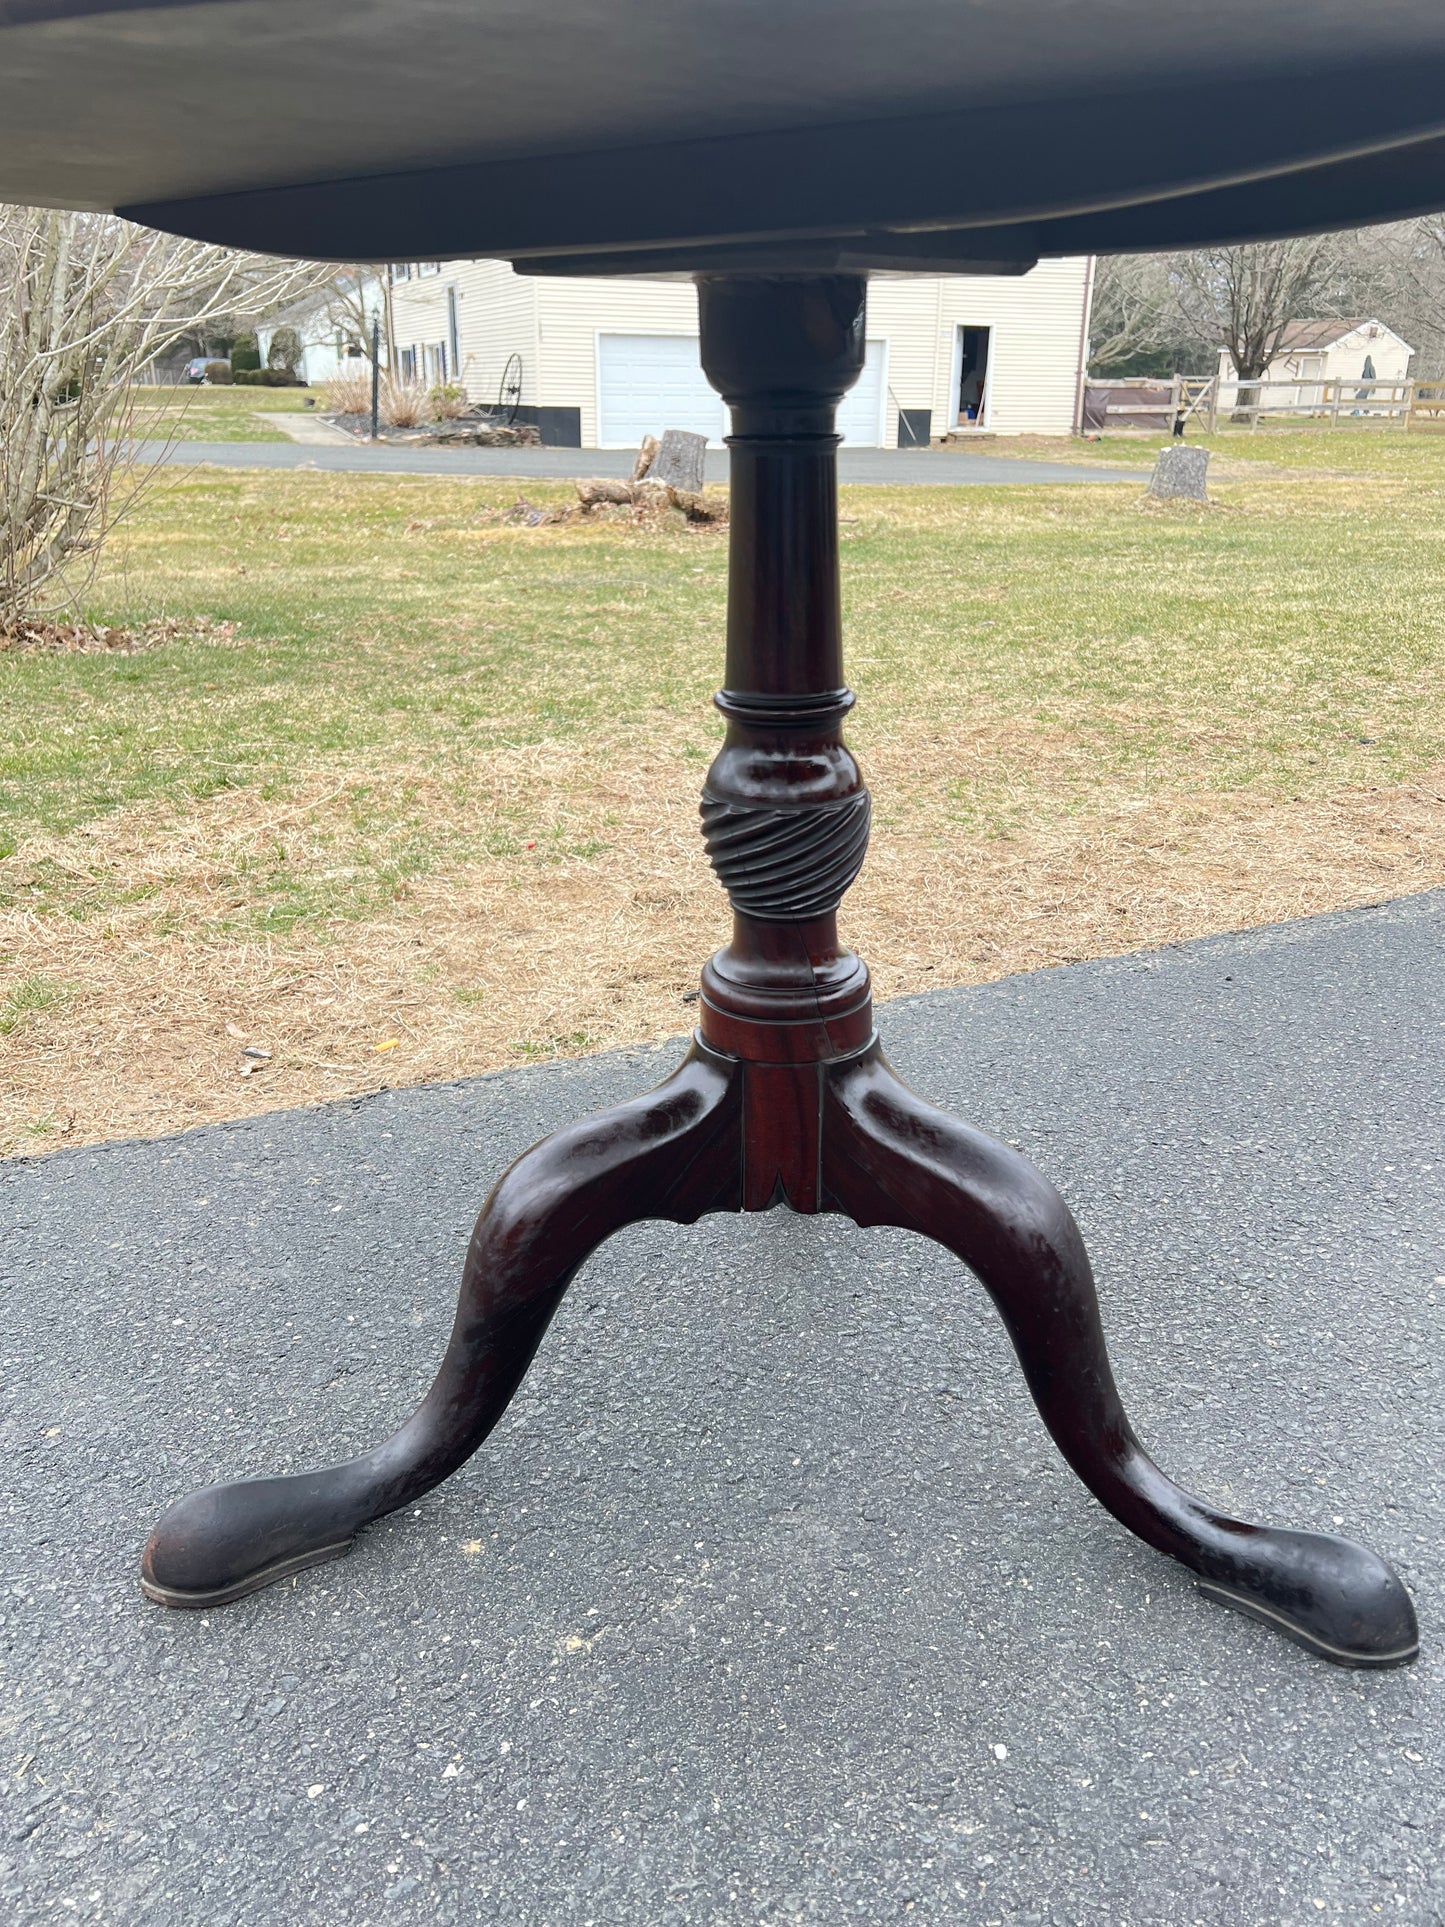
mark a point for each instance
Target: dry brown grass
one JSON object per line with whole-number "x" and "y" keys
{"x": 35, "y": 635}
{"x": 438, "y": 814}
{"x": 496, "y": 961}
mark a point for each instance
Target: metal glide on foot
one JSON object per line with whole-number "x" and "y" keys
{"x": 785, "y": 1096}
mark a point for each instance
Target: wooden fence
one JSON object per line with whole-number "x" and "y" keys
{"x": 1202, "y": 400}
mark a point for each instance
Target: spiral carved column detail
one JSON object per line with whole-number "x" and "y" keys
{"x": 787, "y": 865}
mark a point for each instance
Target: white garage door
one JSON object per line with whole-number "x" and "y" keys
{"x": 860, "y": 419}
{"x": 649, "y": 383}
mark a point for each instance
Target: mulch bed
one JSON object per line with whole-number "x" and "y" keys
{"x": 32, "y": 635}
{"x": 466, "y": 432}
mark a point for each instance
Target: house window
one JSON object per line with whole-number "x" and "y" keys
{"x": 427, "y": 267}
{"x": 975, "y": 348}
{"x": 408, "y": 364}
{"x": 401, "y": 270}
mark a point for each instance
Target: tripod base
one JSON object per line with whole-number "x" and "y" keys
{"x": 785, "y": 1096}
{"x": 845, "y": 1136}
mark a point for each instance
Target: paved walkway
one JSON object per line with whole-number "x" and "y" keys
{"x": 946, "y": 468}
{"x": 305, "y": 425}
{"x": 769, "y": 1601}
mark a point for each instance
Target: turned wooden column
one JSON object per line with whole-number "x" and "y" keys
{"x": 784, "y": 810}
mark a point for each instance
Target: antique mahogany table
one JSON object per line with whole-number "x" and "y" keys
{"x": 779, "y": 151}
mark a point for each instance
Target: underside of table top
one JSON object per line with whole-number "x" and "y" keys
{"x": 812, "y": 134}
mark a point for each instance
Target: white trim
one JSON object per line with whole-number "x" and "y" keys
{"x": 955, "y": 380}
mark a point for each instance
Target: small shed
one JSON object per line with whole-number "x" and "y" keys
{"x": 1315, "y": 353}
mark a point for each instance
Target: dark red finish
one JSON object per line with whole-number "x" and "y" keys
{"x": 785, "y": 1096}
{"x": 671, "y": 1154}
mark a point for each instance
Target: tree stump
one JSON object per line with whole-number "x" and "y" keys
{"x": 679, "y": 461}
{"x": 1179, "y": 473}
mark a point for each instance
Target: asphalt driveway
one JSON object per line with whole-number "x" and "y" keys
{"x": 769, "y": 1601}
{"x": 945, "y": 468}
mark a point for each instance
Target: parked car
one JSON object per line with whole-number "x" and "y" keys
{"x": 196, "y": 369}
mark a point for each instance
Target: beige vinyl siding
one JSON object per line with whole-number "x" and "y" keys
{"x": 419, "y": 317}
{"x": 496, "y": 318}
{"x": 553, "y": 323}
{"x": 572, "y": 312}
{"x": 1037, "y": 322}
{"x": 1391, "y": 356}
{"x": 1300, "y": 377}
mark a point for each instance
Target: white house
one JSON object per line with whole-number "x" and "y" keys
{"x": 332, "y": 332}
{"x": 1314, "y": 353}
{"x": 603, "y": 362}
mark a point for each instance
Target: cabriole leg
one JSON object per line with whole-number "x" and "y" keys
{"x": 673, "y": 1153}
{"x": 889, "y": 1158}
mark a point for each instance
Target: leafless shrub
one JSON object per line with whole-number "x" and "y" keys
{"x": 447, "y": 402}
{"x": 86, "y": 302}
{"x": 403, "y": 403}
{"x": 348, "y": 394}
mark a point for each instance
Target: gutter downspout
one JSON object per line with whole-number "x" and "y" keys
{"x": 1084, "y": 320}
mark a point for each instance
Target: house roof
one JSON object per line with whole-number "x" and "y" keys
{"x": 1324, "y": 334}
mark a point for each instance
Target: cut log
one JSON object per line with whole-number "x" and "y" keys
{"x": 646, "y": 456}
{"x": 698, "y": 507}
{"x": 602, "y": 488}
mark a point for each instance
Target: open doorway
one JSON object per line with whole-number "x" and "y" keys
{"x": 974, "y": 347}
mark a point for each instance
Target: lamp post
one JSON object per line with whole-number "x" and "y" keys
{"x": 375, "y": 373}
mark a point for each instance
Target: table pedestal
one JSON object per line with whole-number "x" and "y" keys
{"x": 785, "y": 1096}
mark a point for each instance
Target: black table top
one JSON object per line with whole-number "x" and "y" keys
{"x": 597, "y": 134}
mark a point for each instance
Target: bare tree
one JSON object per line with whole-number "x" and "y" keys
{"x": 1425, "y": 267}
{"x": 1134, "y": 309}
{"x": 352, "y": 299}
{"x": 1185, "y": 307}
{"x": 1407, "y": 263}
{"x": 1245, "y": 298}
{"x": 86, "y": 301}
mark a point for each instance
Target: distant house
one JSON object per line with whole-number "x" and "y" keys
{"x": 602, "y": 362}
{"x": 332, "y": 330}
{"x": 1312, "y": 353}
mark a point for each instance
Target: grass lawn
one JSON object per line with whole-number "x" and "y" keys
{"x": 1299, "y": 446}
{"x": 434, "y": 810}
{"x": 216, "y": 414}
